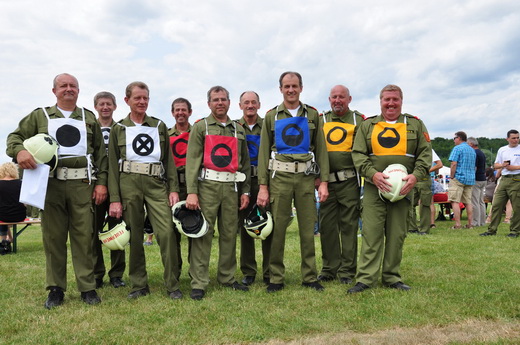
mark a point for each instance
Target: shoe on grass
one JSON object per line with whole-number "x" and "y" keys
{"x": 177, "y": 294}
{"x": 359, "y": 287}
{"x": 90, "y": 297}
{"x": 139, "y": 293}
{"x": 274, "y": 287}
{"x": 55, "y": 297}
{"x": 314, "y": 285}
{"x": 117, "y": 282}
{"x": 237, "y": 286}
{"x": 197, "y": 294}
{"x": 400, "y": 286}
{"x": 248, "y": 280}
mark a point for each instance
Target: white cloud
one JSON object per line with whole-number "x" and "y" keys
{"x": 456, "y": 62}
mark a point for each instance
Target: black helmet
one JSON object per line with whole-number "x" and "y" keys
{"x": 189, "y": 222}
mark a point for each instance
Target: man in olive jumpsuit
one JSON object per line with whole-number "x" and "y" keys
{"x": 217, "y": 162}
{"x": 423, "y": 192}
{"x": 142, "y": 173}
{"x": 71, "y": 188}
{"x": 389, "y": 138}
{"x": 292, "y": 153}
{"x": 339, "y": 214}
{"x": 252, "y": 124}
{"x": 105, "y": 105}
{"x": 179, "y": 135}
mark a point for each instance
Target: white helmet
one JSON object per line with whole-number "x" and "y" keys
{"x": 396, "y": 172}
{"x": 43, "y": 148}
{"x": 116, "y": 238}
{"x": 258, "y": 223}
{"x": 189, "y": 222}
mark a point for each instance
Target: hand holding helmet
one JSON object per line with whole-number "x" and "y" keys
{"x": 116, "y": 238}
{"x": 258, "y": 223}
{"x": 43, "y": 148}
{"x": 189, "y": 222}
{"x": 396, "y": 173}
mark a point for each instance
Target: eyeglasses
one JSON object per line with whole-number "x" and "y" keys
{"x": 455, "y": 138}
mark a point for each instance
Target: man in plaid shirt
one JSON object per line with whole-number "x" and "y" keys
{"x": 462, "y": 175}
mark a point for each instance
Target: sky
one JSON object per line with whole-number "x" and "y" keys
{"x": 458, "y": 62}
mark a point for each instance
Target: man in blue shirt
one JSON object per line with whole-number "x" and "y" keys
{"x": 462, "y": 174}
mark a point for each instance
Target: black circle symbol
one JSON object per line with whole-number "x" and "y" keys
{"x": 174, "y": 148}
{"x": 221, "y": 161}
{"x": 68, "y": 136}
{"x": 292, "y": 139}
{"x": 253, "y": 147}
{"x": 340, "y": 140}
{"x": 388, "y": 142}
{"x": 106, "y": 134}
{"x": 143, "y": 145}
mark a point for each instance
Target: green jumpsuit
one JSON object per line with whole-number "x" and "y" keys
{"x": 248, "y": 264}
{"x": 217, "y": 200}
{"x": 117, "y": 257}
{"x": 68, "y": 204}
{"x": 421, "y": 192}
{"x": 135, "y": 191}
{"x": 181, "y": 173}
{"x": 284, "y": 187}
{"x": 339, "y": 214}
{"x": 385, "y": 223}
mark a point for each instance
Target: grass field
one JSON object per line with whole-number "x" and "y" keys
{"x": 466, "y": 289}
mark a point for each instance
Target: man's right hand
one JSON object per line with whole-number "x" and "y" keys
{"x": 263, "y": 196}
{"x": 192, "y": 202}
{"x": 115, "y": 210}
{"x": 26, "y": 160}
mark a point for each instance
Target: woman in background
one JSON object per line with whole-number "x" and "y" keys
{"x": 11, "y": 210}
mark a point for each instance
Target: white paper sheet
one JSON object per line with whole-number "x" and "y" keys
{"x": 34, "y": 186}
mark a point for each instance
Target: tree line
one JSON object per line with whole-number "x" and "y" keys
{"x": 443, "y": 147}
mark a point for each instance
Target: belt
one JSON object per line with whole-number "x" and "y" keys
{"x": 292, "y": 167}
{"x": 254, "y": 171}
{"x": 342, "y": 175}
{"x": 150, "y": 169}
{"x": 221, "y": 176}
{"x": 511, "y": 175}
{"x": 64, "y": 173}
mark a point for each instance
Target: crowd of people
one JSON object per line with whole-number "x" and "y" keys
{"x": 136, "y": 169}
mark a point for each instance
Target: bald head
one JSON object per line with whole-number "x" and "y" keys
{"x": 339, "y": 99}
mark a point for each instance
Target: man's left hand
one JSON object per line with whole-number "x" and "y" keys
{"x": 100, "y": 194}
{"x": 323, "y": 191}
{"x": 173, "y": 198}
{"x": 411, "y": 180}
{"x": 244, "y": 201}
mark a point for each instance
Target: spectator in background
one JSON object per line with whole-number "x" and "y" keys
{"x": 462, "y": 175}
{"x": 11, "y": 210}
{"x": 491, "y": 184}
{"x": 491, "y": 193}
{"x": 508, "y": 160}
{"x": 477, "y": 193}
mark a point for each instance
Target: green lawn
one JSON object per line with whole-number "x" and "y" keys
{"x": 456, "y": 276}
